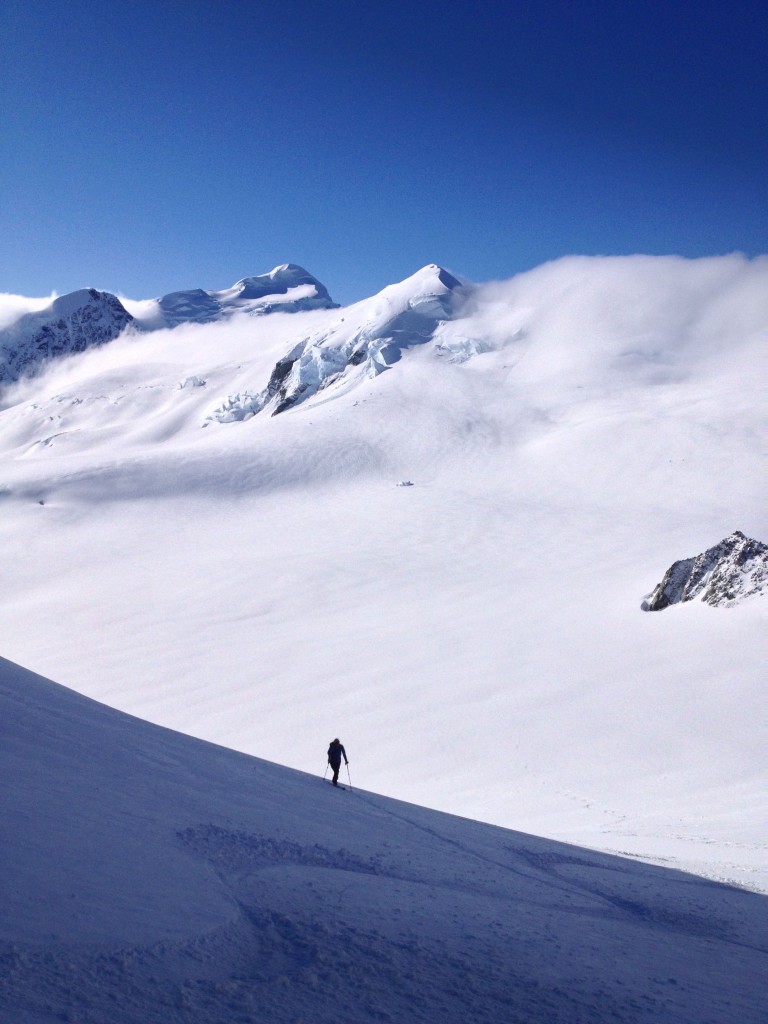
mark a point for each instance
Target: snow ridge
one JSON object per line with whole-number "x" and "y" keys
{"x": 723, "y": 575}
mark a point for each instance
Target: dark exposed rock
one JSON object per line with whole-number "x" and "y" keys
{"x": 358, "y": 356}
{"x": 724, "y": 575}
{"x": 280, "y": 372}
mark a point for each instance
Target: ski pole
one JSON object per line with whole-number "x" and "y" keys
{"x": 349, "y": 777}
{"x": 325, "y": 773}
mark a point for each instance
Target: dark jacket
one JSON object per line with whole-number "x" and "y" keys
{"x": 335, "y": 753}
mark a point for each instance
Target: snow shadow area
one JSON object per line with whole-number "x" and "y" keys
{"x": 151, "y": 877}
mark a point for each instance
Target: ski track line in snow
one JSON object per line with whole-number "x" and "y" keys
{"x": 545, "y": 865}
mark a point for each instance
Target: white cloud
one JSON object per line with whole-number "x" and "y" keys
{"x": 12, "y": 307}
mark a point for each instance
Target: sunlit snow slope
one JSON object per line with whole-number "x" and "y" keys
{"x": 171, "y": 546}
{"x": 150, "y": 878}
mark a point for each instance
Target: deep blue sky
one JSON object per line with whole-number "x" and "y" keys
{"x": 150, "y": 146}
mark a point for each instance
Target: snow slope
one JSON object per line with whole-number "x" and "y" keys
{"x": 149, "y": 877}
{"x": 475, "y": 639}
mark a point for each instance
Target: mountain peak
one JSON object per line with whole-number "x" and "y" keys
{"x": 723, "y": 575}
{"x": 430, "y": 280}
{"x": 65, "y": 305}
{"x": 434, "y": 271}
{"x": 283, "y": 269}
{"x": 279, "y": 281}
{"x": 71, "y": 323}
{"x": 287, "y": 288}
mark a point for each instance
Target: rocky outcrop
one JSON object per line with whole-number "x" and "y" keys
{"x": 724, "y": 575}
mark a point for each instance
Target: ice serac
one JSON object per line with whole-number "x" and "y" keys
{"x": 723, "y": 575}
{"x": 287, "y": 288}
{"x": 367, "y": 340}
{"x": 72, "y": 323}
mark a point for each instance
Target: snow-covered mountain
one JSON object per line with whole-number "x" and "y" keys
{"x": 476, "y": 638}
{"x": 88, "y": 318}
{"x": 369, "y": 338}
{"x": 71, "y": 323}
{"x": 726, "y": 574}
{"x": 286, "y": 289}
{"x": 148, "y": 877}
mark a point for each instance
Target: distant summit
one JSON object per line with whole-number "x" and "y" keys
{"x": 287, "y": 289}
{"x": 723, "y": 575}
{"x": 280, "y": 281}
{"x": 72, "y": 323}
{"x": 372, "y": 333}
{"x": 431, "y": 277}
{"x": 88, "y": 318}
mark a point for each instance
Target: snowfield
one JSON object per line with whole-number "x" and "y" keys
{"x": 149, "y": 877}
{"x": 476, "y": 639}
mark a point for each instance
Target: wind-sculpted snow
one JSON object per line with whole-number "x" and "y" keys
{"x": 149, "y": 877}
{"x": 723, "y": 575}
